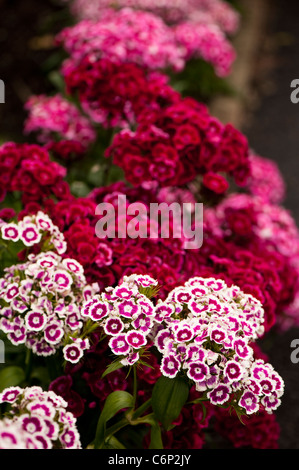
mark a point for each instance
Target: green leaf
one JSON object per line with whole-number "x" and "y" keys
{"x": 156, "y": 437}
{"x": 112, "y": 367}
{"x": 168, "y": 398}
{"x": 114, "y": 403}
{"x": 11, "y": 376}
{"x": 113, "y": 443}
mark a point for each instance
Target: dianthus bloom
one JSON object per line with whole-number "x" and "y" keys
{"x": 126, "y": 36}
{"x": 256, "y": 432}
{"x": 207, "y": 42}
{"x": 199, "y": 30}
{"x": 113, "y": 94}
{"x": 127, "y": 315}
{"x": 175, "y": 145}
{"x": 249, "y": 219}
{"x": 27, "y": 168}
{"x": 206, "y": 331}
{"x": 37, "y": 420}
{"x": 41, "y": 303}
{"x": 35, "y": 229}
{"x": 56, "y": 121}
{"x": 266, "y": 180}
{"x": 217, "y": 12}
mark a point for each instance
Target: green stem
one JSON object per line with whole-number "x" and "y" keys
{"x": 116, "y": 427}
{"x": 28, "y": 364}
{"x": 142, "y": 409}
{"x": 135, "y": 384}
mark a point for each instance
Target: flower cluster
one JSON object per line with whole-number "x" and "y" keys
{"x": 207, "y": 335}
{"x": 37, "y": 420}
{"x": 266, "y": 180}
{"x": 42, "y": 299}
{"x": 207, "y": 42}
{"x": 126, "y": 36}
{"x": 126, "y": 314}
{"x": 199, "y": 32}
{"x": 58, "y": 124}
{"x": 260, "y": 431}
{"x": 35, "y": 229}
{"x": 27, "y": 168}
{"x": 113, "y": 94}
{"x": 208, "y": 11}
{"x": 254, "y": 218}
{"x": 176, "y": 144}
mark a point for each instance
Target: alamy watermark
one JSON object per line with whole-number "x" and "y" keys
{"x": 158, "y": 220}
{"x": 2, "y": 92}
{"x": 295, "y": 92}
{"x": 295, "y": 353}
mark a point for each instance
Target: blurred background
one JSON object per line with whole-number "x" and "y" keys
{"x": 268, "y": 61}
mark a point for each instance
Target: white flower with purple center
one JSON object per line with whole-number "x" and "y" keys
{"x": 54, "y": 332}
{"x": 195, "y": 353}
{"x": 182, "y": 295}
{"x": 197, "y": 371}
{"x": 218, "y": 334}
{"x": 44, "y": 222}
{"x": 136, "y": 339}
{"x": 183, "y": 333}
{"x": 63, "y": 280}
{"x": 123, "y": 292}
{"x": 146, "y": 306}
{"x": 42, "y": 408}
{"x": 10, "y": 232}
{"x": 98, "y": 310}
{"x": 70, "y": 439}
{"x": 242, "y": 349}
{"x": 163, "y": 310}
{"x": 32, "y": 424}
{"x": 220, "y": 394}
{"x": 19, "y": 305}
{"x": 46, "y": 262}
{"x": 233, "y": 371}
{"x": 170, "y": 366}
{"x": 197, "y": 308}
{"x": 18, "y": 335}
{"x": 130, "y": 359}
{"x": 271, "y": 403}
{"x": 51, "y": 429}
{"x": 10, "y": 394}
{"x": 143, "y": 323}
{"x": 254, "y": 386}
{"x": 73, "y": 266}
{"x": 72, "y": 353}
{"x": 30, "y": 235}
{"x": 268, "y": 386}
{"x": 162, "y": 338}
{"x": 35, "y": 320}
{"x": 128, "y": 308}
{"x": 11, "y": 292}
{"x": 259, "y": 371}
{"x": 143, "y": 280}
{"x": 113, "y": 326}
{"x": 250, "y": 402}
{"x": 119, "y": 345}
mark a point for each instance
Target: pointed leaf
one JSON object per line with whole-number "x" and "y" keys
{"x": 114, "y": 403}
{"x": 168, "y": 398}
{"x": 112, "y": 367}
